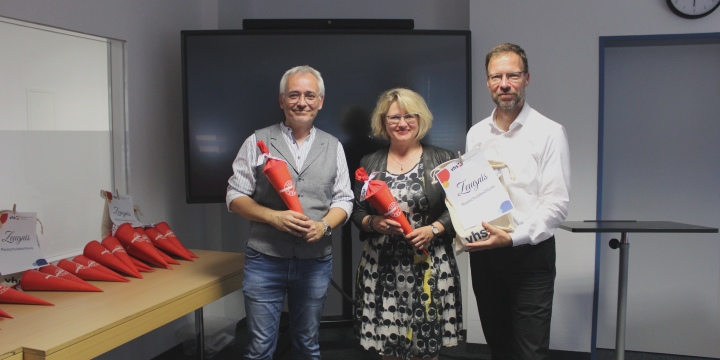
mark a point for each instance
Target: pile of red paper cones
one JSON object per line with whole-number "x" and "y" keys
{"x": 89, "y": 273}
{"x": 96, "y": 251}
{"x": 139, "y": 246}
{"x": 164, "y": 229}
{"x": 113, "y": 244}
{"x": 54, "y": 270}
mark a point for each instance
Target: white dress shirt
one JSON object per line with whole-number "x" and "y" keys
{"x": 536, "y": 152}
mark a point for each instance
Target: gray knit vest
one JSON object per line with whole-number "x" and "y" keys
{"x": 314, "y": 185}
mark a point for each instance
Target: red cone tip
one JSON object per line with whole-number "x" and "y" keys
{"x": 12, "y": 296}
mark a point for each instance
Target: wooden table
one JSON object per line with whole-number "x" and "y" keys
{"x": 83, "y": 325}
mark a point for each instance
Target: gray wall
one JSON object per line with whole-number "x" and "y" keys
{"x": 560, "y": 36}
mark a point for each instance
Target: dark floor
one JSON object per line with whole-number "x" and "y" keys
{"x": 337, "y": 342}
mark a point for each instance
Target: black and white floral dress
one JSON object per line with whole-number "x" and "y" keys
{"x": 407, "y": 303}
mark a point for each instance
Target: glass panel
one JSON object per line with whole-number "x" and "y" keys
{"x": 56, "y": 138}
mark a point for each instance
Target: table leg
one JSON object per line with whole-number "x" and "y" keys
{"x": 200, "y": 334}
{"x": 622, "y": 298}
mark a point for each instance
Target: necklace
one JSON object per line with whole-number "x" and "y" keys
{"x": 402, "y": 164}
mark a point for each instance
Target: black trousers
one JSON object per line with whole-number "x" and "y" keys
{"x": 514, "y": 289}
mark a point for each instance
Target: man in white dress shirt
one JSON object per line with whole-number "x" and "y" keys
{"x": 513, "y": 273}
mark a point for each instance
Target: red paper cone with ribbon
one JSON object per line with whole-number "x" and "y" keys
{"x": 113, "y": 245}
{"x": 377, "y": 193}
{"x": 164, "y": 229}
{"x": 165, "y": 245}
{"x": 33, "y": 280}
{"x": 5, "y": 315}
{"x": 92, "y": 264}
{"x": 95, "y": 251}
{"x": 139, "y": 246}
{"x": 11, "y": 296}
{"x": 64, "y": 274}
{"x": 277, "y": 172}
{"x": 87, "y": 273}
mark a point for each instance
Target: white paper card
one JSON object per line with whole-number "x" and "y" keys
{"x": 19, "y": 245}
{"x": 474, "y": 189}
{"x": 121, "y": 210}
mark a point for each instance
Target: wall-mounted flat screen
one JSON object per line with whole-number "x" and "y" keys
{"x": 231, "y": 86}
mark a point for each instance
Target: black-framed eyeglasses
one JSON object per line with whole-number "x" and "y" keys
{"x": 410, "y": 119}
{"x": 513, "y": 77}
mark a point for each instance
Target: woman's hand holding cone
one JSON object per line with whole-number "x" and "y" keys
{"x": 387, "y": 226}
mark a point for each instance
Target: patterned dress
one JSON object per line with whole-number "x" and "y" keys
{"x": 408, "y": 304}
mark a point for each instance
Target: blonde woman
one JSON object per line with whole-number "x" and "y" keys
{"x": 407, "y": 294}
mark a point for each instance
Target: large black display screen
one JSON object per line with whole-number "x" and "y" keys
{"x": 231, "y": 86}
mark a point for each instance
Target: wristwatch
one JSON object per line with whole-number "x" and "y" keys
{"x": 435, "y": 230}
{"x": 328, "y": 229}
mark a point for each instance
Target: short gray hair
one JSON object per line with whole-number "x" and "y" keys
{"x": 303, "y": 69}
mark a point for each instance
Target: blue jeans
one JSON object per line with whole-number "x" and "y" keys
{"x": 266, "y": 281}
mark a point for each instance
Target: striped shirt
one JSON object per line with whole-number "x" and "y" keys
{"x": 243, "y": 180}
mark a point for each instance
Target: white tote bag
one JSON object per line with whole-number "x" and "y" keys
{"x": 475, "y": 191}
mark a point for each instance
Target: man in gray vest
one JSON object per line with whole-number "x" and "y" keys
{"x": 288, "y": 252}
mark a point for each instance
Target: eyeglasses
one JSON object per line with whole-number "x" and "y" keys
{"x": 410, "y": 119}
{"x": 513, "y": 77}
{"x": 294, "y": 97}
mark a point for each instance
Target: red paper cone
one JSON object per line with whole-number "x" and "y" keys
{"x": 164, "y": 229}
{"x": 141, "y": 266}
{"x": 33, "y": 280}
{"x": 113, "y": 244}
{"x": 95, "y": 251}
{"x": 277, "y": 172}
{"x": 138, "y": 245}
{"x": 12, "y": 296}
{"x": 87, "y": 273}
{"x": 381, "y": 198}
{"x": 384, "y": 202}
{"x": 167, "y": 258}
{"x": 64, "y": 274}
{"x": 90, "y": 263}
{"x": 5, "y": 315}
{"x": 164, "y": 244}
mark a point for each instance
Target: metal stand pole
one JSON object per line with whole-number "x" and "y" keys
{"x": 622, "y": 298}
{"x": 200, "y": 334}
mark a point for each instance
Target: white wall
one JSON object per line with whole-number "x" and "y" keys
{"x": 560, "y": 36}
{"x": 561, "y": 40}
